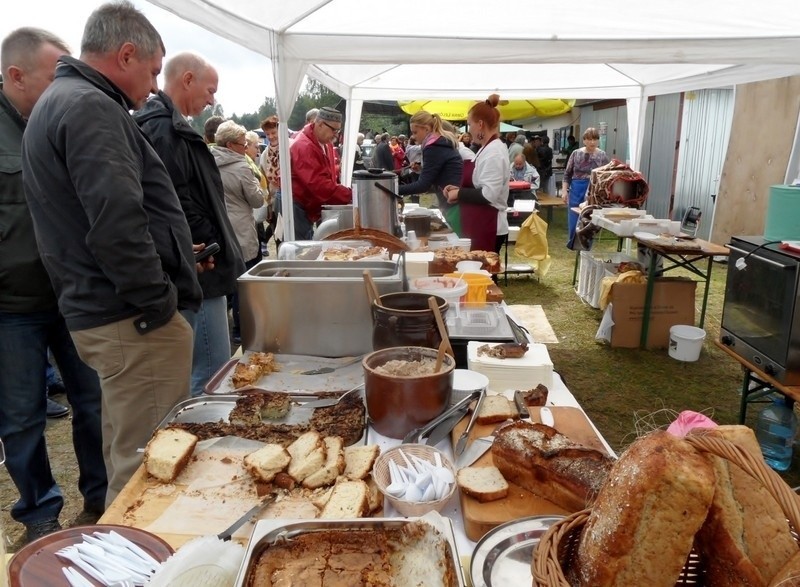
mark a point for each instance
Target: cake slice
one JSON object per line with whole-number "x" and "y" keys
{"x": 267, "y": 462}
{"x": 482, "y": 483}
{"x": 308, "y": 455}
{"x": 168, "y": 453}
{"x": 496, "y": 408}
{"x": 334, "y": 464}
{"x": 359, "y": 460}
{"x": 350, "y": 499}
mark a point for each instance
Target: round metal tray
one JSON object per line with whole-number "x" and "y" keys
{"x": 503, "y": 556}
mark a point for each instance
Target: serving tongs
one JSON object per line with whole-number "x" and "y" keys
{"x": 450, "y": 417}
{"x": 461, "y": 444}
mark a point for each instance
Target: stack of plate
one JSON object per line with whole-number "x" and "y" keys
{"x": 524, "y": 373}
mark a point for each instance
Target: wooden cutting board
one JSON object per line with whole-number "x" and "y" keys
{"x": 479, "y": 517}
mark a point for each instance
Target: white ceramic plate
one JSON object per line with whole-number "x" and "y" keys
{"x": 644, "y": 236}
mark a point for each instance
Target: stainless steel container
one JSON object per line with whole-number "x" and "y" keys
{"x": 315, "y": 308}
{"x": 377, "y": 209}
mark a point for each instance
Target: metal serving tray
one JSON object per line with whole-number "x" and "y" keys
{"x": 270, "y": 532}
{"x": 213, "y": 408}
{"x": 289, "y": 378}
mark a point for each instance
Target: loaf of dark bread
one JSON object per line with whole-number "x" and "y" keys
{"x": 543, "y": 461}
{"x": 745, "y": 539}
{"x": 643, "y": 522}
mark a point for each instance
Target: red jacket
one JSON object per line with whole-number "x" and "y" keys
{"x": 314, "y": 179}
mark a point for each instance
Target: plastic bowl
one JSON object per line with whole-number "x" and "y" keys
{"x": 380, "y": 474}
{"x": 451, "y": 289}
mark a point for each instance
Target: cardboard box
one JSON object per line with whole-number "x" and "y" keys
{"x": 672, "y": 303}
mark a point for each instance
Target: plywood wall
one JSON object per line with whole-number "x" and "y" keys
{"x": 764, "y": 121}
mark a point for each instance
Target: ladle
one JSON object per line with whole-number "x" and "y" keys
{"x": 442, "y": 329}
{"x": 372, "y": 290}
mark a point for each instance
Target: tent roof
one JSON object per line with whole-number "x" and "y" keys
{"x": 469, "y": 48}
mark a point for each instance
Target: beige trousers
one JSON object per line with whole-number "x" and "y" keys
{"x": 142, "y": 377}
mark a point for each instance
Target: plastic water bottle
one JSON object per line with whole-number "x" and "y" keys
{"x": 775, "y": 429}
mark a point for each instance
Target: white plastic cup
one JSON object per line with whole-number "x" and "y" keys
{"x": 686, "y": 342}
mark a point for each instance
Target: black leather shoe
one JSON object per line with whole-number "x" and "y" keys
{"x": 56, "y": 410}
{"x": 38, "y": 529}
{"x": 96, "y": 508}
{"x": 56, "y": 388}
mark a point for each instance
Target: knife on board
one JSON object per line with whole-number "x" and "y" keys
{"x": 474, "y": 451}
{"x": 228, "y": 532}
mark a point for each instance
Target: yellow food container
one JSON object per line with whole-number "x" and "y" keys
{"x": 476, "y": 285}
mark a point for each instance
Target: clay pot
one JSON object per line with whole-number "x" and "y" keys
{"x": 396, "y": 405}
{"x": 404, "y": 319}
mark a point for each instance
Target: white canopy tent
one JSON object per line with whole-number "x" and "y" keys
{"x": 627, "y": 49}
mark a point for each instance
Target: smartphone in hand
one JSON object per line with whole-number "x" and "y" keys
{"x": 211, "y": 249}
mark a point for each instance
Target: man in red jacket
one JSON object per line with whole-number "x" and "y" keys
{"x": 314, "y": 177}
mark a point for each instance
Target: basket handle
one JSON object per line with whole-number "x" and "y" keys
{"x": 756, "y": 468}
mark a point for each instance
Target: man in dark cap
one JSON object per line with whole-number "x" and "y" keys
{"x": 314, "y": 178}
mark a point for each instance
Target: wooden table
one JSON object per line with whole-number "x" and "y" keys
{"x": 757, "y": 384}
{"x": 548, "y": 202}
{"x": 680, "y": 256}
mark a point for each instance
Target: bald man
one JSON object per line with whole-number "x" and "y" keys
{"x": 190, "y": 83}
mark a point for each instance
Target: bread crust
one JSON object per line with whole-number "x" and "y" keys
{"x": 543, "y": 461}
{"x": 643, "y": 522}
{"x": 745, "y": 539}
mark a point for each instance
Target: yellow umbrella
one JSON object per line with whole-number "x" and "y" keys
{"x": 509, "y": 109}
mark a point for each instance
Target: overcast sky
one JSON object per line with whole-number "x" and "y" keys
{"x": 245, "y": 77}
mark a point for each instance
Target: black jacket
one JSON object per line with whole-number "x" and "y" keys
{"x": 111, "y": 231}
{"x": 24, "y": 284}
{"x": 197, "y": 181}
{"x": 441, "y": 166}
{"x": 382, "y": 157}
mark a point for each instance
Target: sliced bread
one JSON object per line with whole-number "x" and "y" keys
{"x": 359, "y": 460}
{"x": 308, "y": 455}
{"x": 168, "y": 453}
{"x": 334, "y": 464}
{"x": 374, "y": 497}
{"x": 267, "y": 462}
{"x": 496, "y": 408}
{"x": 348, "y": 500}
{"x": 482, "y": 483}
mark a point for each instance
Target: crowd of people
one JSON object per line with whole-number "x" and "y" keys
{"x": 98, "y": 267}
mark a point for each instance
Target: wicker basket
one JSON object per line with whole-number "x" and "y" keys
{"x": 380, "y": 473}
{"x": 557, "y": 549}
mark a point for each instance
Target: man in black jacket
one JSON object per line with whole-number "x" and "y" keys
{"x": 382, "y": 156}
{"x": 189, "y": 86}
{"x": 29, "y": 318}
{"x": 111, "y": 231}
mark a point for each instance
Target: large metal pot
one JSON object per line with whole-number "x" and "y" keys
{"x": 377, "y": 209}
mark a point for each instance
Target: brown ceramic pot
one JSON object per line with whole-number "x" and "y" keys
{"x": 404, "y": 319}
{"x": 396, "y": 405}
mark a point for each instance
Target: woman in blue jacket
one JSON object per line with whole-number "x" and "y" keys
{"x": 441, "y": 163}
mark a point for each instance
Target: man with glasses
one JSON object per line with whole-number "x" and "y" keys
{"x": 314, "y": 178}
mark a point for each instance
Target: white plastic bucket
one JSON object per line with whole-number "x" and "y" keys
{"x": 450, "y": 288}
{"x": 686, "y": 342}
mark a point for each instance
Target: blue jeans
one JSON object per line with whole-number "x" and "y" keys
{"x": 24, "y": 340}
{"x": 212, "y": 344}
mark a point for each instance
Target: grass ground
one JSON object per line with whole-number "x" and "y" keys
{"x": 624, "y": 391}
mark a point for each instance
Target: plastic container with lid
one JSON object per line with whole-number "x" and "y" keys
{"x": 451, "y": 288}
{"x": 776, "y": 429}
{"x": 477, "y": 284}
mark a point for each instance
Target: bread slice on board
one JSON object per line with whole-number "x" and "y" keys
{"x": 266, "y": 462}
{"x": 168, "y": 453}
{"x": 496, "y": 408}
{"x": 308, "y": 455}
{"x": 334, "y": 464}
{"x": 359, "y": 460}
{"x": 350, "y": 499}
{"x": 482, "y": 483}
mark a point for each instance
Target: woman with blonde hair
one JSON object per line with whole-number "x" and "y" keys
{"x": 484, "y": 200}
{"x": 577, "y": 174}
{"x": 441, "y": 163}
